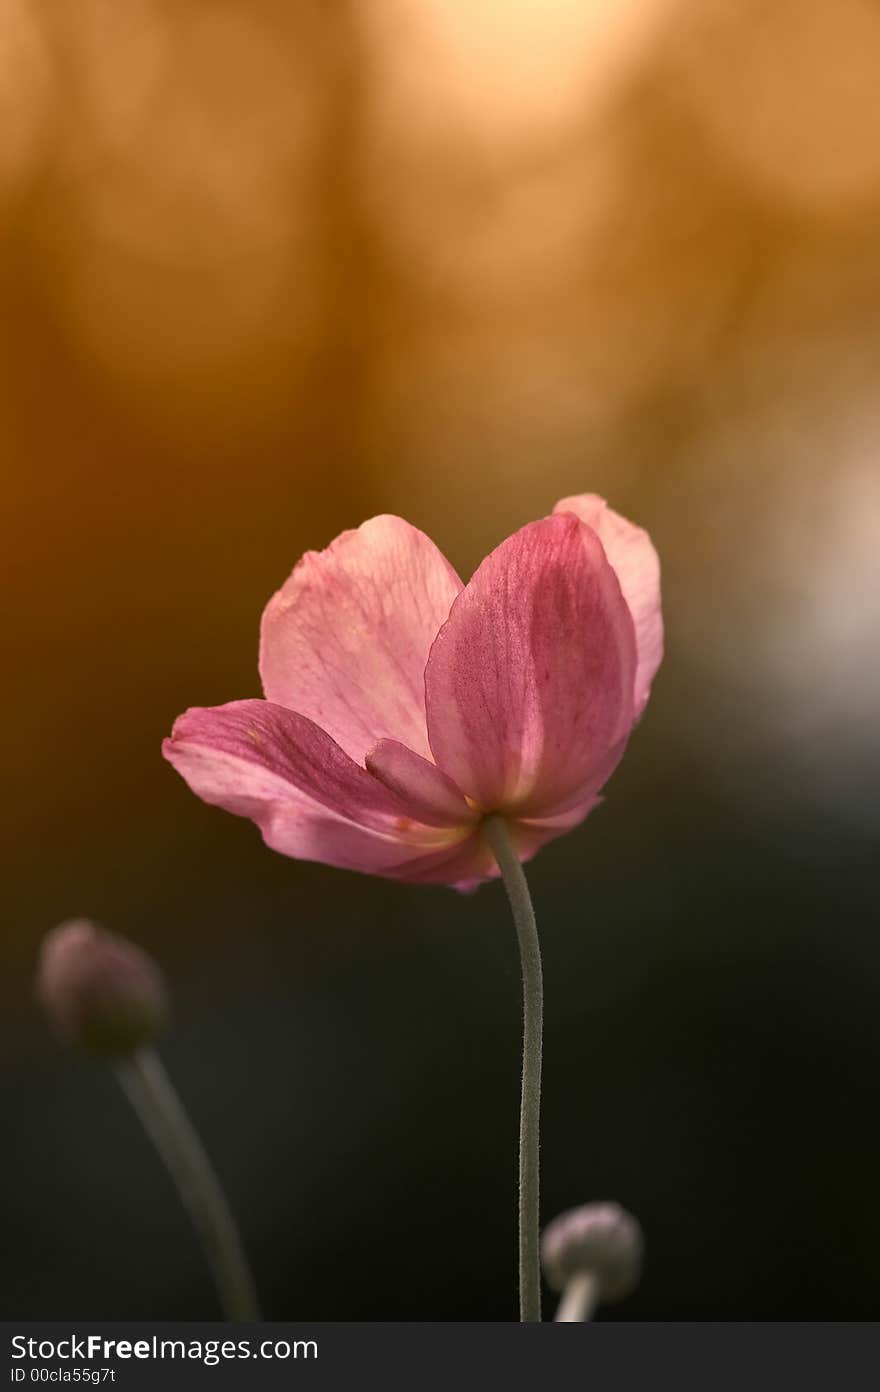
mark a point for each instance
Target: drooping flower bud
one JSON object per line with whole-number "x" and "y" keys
{"x": 102, "y": 993}
{"x": 599, "y": 1239}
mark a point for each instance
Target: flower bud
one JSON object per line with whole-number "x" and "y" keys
{"x": 599, "y": 1238}
{"x": 102, "y": 993}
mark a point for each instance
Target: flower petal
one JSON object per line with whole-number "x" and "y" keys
{"x": 346, "y": 639}
{"x": 308, "y": 797}
{"x": 420, "y": 784}
{"x": 529, "y": 683}
{"x": 321, "y": 837}
{"x": 632, "y": 554}
{"x": 256, "y": 750}
{"x": 530, "y": 835}
{"x": 585, "y": 793}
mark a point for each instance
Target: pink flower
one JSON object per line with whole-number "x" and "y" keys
{"x": 401, "y": 706}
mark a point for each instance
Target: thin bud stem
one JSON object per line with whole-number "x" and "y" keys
{"x": 498, "y": 836}
{"x": 579, "y": 1299}
{"x": 151, "y": 1093}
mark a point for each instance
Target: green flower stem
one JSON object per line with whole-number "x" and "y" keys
{"x": 498, "y": 836}
{"x": 579, "y": 1299}
{"x": 152, "y": 1095}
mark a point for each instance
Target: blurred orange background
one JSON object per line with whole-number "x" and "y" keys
{"x": 270, "y": 268}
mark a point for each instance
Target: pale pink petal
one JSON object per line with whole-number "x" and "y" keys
{"x": 632, "y": 554}
{"x": 530, "y": 681}
{"x": 308, "y": 797}
{"x": 584, "y": 793}
{"x": 419, "y": 783}
{"x": 346, "y": 639}
{"x": 324, "y": 838}
{"x": 465, "y": 867}
{"x": 530, "y": 835}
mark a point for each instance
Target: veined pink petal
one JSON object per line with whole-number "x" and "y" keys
{"x": 632, "y": 554}
{"x": 255, "y": 750}
{"x": 308, "y": 797}
{"x": 530, "y": 681}
{"x": 420, "y": 784}
{"x": 346, "y": 639}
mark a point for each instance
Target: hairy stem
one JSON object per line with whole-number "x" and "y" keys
{"x": 498, "y": 836}
{"x": 151, "y": 1093}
